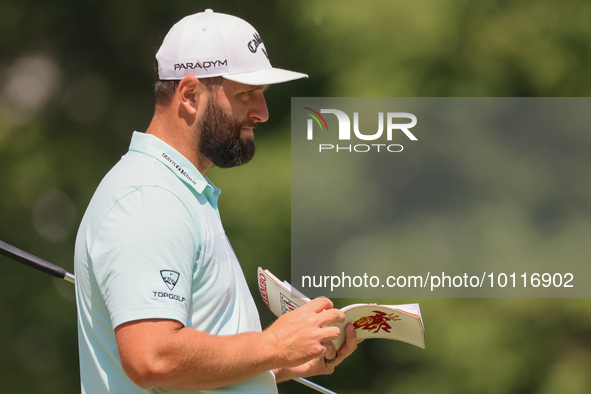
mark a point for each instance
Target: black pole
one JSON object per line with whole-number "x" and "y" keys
{"x": 34, "y": 262}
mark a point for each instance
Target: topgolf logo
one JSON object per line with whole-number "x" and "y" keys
{"x": 344, "y": 132}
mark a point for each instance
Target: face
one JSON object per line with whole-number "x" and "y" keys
{"x": 226, "y": 129}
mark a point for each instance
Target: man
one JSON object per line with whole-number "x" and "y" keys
{"x": 162, "y": 301}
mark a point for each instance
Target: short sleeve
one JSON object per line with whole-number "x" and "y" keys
{"x": 143, "y": 257}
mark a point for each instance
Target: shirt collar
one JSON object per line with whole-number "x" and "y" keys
{"x": 185, "y": 170}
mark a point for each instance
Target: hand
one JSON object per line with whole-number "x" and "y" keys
{"x": 300, "y": 336}
{"x": 318, "y": 366}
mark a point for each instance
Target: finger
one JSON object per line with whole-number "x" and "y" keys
{"x": 319, "y": 304}
{"x": 331, "y": 358}
{"x": 331, "y": 316}
{"x": 350, "y": 343}
{"x": 330, "y": 333}
{"x": 351, "y": 333}
{"x": 330, "y": 351}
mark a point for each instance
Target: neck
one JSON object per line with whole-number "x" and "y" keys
{"x": 179, "y": 134}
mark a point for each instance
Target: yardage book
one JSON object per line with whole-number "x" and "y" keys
{"x": 398, "y": 322}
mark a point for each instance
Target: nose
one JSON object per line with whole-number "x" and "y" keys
{"x": 259, "y": 111}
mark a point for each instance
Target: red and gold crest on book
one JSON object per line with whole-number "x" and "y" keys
{"x": 377, "y": 322}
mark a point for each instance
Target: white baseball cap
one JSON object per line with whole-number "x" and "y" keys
{"x": 210, "y": 44}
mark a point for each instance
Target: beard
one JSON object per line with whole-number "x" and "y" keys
{"x": 219, "y": 136}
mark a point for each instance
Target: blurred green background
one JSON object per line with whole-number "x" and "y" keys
{"x": 76, "y": 78}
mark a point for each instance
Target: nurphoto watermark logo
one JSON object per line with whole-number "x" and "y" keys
{"x": 344, "y": 130}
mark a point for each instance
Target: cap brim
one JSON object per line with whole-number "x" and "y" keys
{"x": 267, "y": 76}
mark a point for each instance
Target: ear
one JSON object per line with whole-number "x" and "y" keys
{"x": 189, "y": 93}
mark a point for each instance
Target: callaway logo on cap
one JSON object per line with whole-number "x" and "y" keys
{"x": 210, "y": 44}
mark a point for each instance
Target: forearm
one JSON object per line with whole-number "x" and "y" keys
{"x": 163, "y": 353}
{"x": 193, "y": 360}
{"x": 214, "y": 361}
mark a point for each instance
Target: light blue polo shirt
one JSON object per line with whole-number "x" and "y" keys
{"x": 151, "y": 245}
